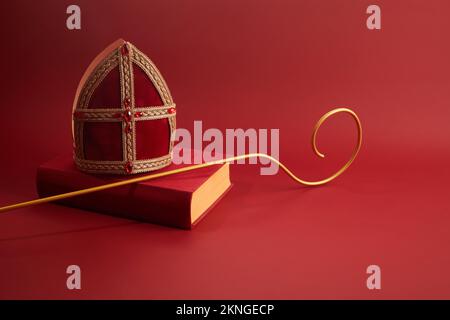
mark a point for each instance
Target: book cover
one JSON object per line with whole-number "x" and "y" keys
{"x": 178, "y": 201}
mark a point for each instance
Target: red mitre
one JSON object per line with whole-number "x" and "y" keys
{"x": 123, "y": 114}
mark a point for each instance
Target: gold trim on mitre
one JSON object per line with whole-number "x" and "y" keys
{"x": 127, "y": 113}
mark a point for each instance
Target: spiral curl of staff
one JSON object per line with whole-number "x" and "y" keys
{"x": 211, "y": 163}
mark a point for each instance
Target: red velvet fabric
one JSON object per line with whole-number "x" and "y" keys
{"x": 103, "y": 141}
{"x": 152, "y": 138}
{"x": 107, "y": 94}
{"x": 145, "y": 93}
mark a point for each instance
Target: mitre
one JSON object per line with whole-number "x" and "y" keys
{"x": 123, "y": 114}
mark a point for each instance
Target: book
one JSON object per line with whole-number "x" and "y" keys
{"x": 180, "y": 200}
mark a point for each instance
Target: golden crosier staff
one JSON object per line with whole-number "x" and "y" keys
{"x": 207, "y": 164}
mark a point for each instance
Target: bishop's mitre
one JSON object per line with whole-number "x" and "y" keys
{"x": 123, "y": 114}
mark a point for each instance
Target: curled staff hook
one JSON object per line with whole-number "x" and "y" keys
{"x": 207, "y": 164}
{"x": 315, "y": 149}
{"x": 355, "y": 150}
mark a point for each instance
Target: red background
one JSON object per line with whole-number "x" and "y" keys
{"x": 248, "y": 64}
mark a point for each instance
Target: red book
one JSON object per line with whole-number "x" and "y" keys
{"x": 178, "y": 201}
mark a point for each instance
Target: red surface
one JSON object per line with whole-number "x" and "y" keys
{"x": 164, "y": 201}
{"x": 258, "y": 64}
